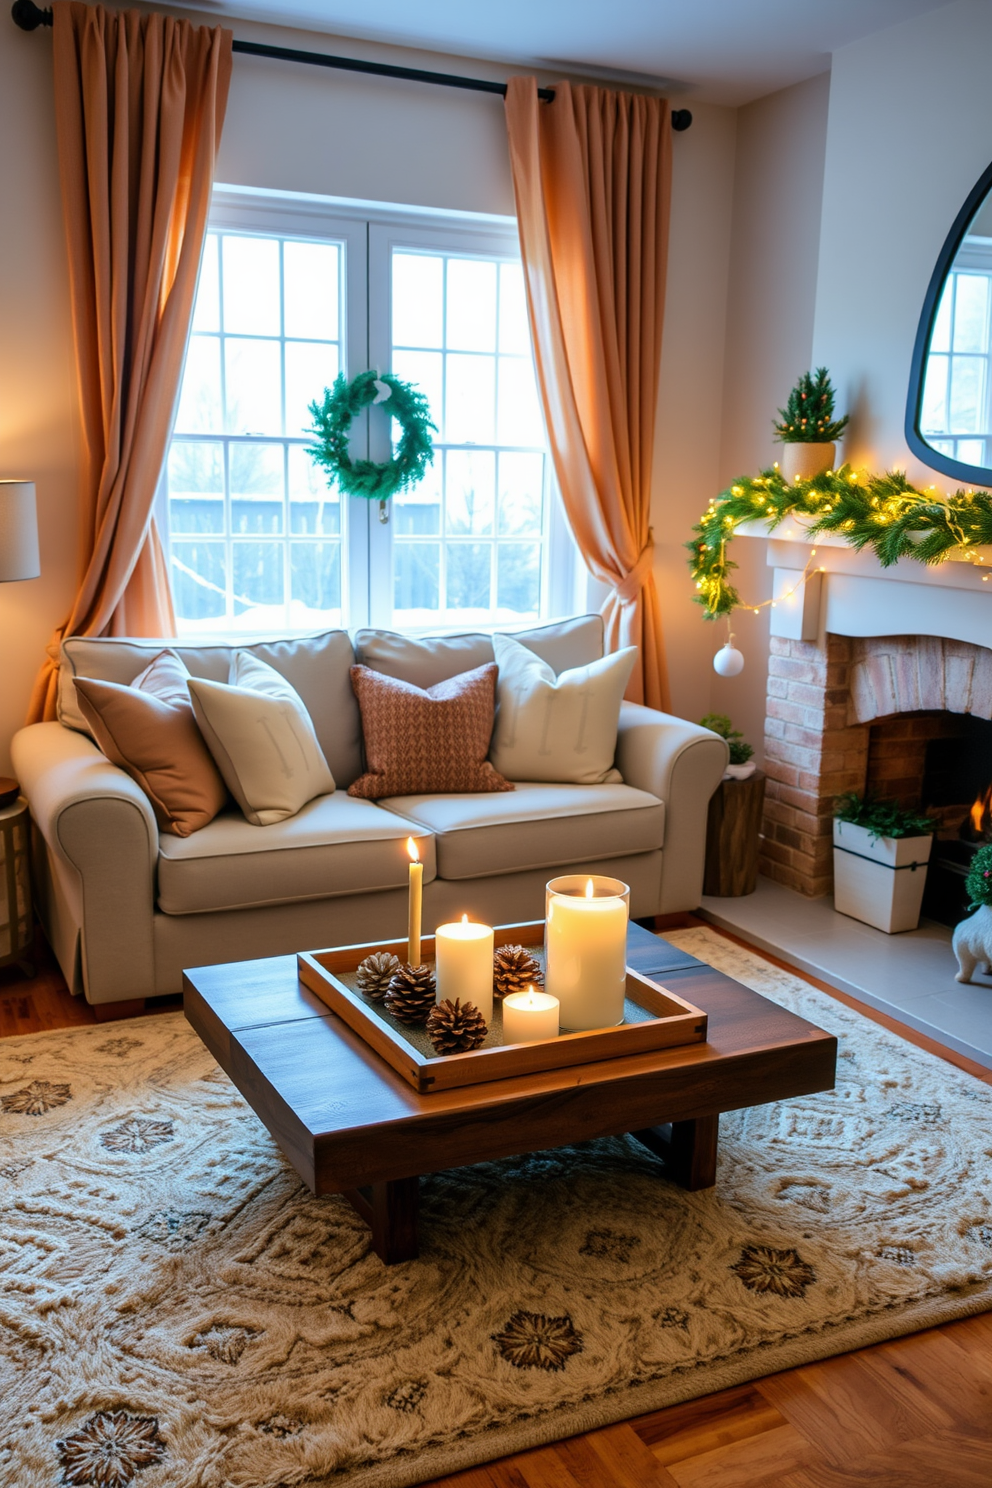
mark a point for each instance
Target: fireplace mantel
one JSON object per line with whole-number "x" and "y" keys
{"x": 856, "y": 596}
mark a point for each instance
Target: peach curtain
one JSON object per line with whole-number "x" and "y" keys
{"x": 592, "y": 180}
{"x": 139, "y": 105}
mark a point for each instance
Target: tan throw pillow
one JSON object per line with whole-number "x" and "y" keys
{"x": 426, "y": 742}
{"x": 259, "y": 732}
{"x": 148, "y": 729}
{"x": 562, "y": 729}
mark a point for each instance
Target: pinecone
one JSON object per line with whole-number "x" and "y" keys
{"x": 411, "y": 993}
{"x": 454, "y": 1028}
{"x": 375, "y": 973}
{"x": 514, "y": 970}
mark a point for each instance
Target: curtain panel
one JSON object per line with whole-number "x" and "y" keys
{"x": 139, "y": 106}
{"x": 592, "y": 181}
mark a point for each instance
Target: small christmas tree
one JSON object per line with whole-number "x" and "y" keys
{"x": 808, "y": 416}
{"x": 979, "y": 881}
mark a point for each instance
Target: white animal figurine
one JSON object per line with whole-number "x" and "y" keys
{"x": 973, "y": 942}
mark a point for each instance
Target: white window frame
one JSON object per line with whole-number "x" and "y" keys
{"x": 369, "y": 232}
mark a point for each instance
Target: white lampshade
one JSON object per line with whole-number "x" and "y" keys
{"x": 18, "y": 531}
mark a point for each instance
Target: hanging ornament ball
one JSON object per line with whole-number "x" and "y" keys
{"x": 728, "y": 661}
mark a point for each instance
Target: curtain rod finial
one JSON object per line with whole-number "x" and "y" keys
{"x": 681, "y": 119}
{"x": 28, "y": 16}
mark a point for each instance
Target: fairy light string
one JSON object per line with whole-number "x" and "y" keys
{"x": 883, "y": 513}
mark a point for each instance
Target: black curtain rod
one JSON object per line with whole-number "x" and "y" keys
{"x": 29, "y": 17}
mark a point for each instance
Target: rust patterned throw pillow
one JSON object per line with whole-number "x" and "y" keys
{"x": 421, "y": 742}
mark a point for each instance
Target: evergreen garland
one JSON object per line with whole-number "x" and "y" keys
{"x": 881, "y": 512}
{"x": 333, "y": 416}
{"x": 808, "y": 416}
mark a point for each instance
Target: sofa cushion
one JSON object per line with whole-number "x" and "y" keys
{"x": 335, "y": 845}
{"x": 315, "y": 665}
{"x": 427, "y": 660}
{"x": 538, "y": 826}
{"x": 148, "y": 729}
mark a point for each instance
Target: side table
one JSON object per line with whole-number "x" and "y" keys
{"x": 16, "y": 919}
{"x": 732, "y": 833}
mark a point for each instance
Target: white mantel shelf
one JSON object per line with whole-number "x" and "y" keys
{"x": 856, "y": 596}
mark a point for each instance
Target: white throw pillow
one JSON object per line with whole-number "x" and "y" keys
{"x": 560, "y": 729}
{"x": 261, "y": 737}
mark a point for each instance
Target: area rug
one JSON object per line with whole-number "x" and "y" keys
{"x": 176, "y": 1309}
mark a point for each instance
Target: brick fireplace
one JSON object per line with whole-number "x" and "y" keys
{"x": 823, "y": 698}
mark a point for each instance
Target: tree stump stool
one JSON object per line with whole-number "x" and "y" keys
{"x": 732, "y": 835}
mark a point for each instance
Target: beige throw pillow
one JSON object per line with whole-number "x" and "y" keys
{"x": 259, "y": 732}
{"x": 560, "y": 729}
{"x": 148, "y": 729}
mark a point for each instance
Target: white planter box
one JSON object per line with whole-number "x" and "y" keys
{"x": 879, "y": 880}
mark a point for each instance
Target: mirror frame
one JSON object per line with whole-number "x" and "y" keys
{"x": 975, "y": 475}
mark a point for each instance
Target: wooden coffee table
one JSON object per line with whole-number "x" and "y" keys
{"x": 350, "y": 1125}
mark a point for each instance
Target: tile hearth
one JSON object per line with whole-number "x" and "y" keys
{"x": 908, "y": 976}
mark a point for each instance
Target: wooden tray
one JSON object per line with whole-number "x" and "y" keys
{"x": 669, "y": 1021}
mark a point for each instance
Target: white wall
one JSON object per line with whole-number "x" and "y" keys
{"x": 778, "y": 187}
{"x": 304, "y": 129}
{"x": 910, "y": 132}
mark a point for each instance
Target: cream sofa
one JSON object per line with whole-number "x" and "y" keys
{"x": 126, "y": 909}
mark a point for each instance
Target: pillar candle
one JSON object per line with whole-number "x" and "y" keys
{"x": 415, "y": 905}
{"x": 587, "y": 955}
{"x": 529, "y": 1016}
{"x": 464, "y": 964}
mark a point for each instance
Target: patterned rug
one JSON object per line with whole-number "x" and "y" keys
{"x": 175, "y": 1309}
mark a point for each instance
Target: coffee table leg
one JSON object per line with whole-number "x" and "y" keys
{"x": 687, "y": 1148}
{"x": 390, "y": 1210}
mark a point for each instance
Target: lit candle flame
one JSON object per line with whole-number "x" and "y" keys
{"x": 413, "y": 850}
{"x": 589, "y": 890}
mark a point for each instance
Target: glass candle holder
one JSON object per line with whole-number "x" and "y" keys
{"x": 585, "y": 942}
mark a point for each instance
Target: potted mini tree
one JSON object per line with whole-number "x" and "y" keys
{"x": 881, "y": 854}
{"x": 808, "y": 428}
{"x": 741, "y": 764}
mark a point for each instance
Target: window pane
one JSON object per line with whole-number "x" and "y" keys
{"x": 313, "y": 506}
{"x": 933, "y": 417}
{"x": 518, "y": 585}
{"x": 256, "y": 487}
{"x": 971, "y": 311}
{"x": 418, "y": 511}
{"x": 254, "y": 387}
{"x": 966, "y": 398}
{"x": 971, "y": 451}
{"x": 514, "y": 331}
{"x": 312, "y": 273}
{"x": 468, "y": 576}
{"x": 251, "y": 286}
{"x": 206, "y": 312}
{"x": 470, "y": 490}
{"x": 311, "y": 366}
{"x": 424, "y": 370}
{"x": 520, "y": 419}
{"x": 199, "y": 402}
{"x": 196, "y": 487}
{"x": 199, "y": 580}
{"x": 418, "y": 307}
{"x": 258, "y": 580}
{"x": 471, "y": 324}
{"x": 941, "y": 338}
{"x": 315, "y": 576}
{"x": 471, "y": 386}
{"x": 416, "y": 575}
{"x": 521, "y": 494}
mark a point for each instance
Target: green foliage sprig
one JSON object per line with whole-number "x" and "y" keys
{"x": 881, "y": 512}
{"x": 333, "y": 416}
{"x": 979, "y": 880}
{"x": 881, "y": 818}
{"x": 808, "y": 416}
{"x": 719, "y": 723}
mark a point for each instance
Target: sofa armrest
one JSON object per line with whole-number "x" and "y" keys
{"x": 682, "y": 764}
{"x": 98, "y": 821}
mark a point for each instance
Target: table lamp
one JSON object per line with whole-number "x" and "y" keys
{"x": 19, "y": 557}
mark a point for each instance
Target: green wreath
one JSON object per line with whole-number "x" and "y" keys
{"x": 333, "y": 417}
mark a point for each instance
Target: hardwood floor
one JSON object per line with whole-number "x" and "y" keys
{"x": 912, "y": 1413}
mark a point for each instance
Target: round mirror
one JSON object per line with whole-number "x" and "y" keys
{"x": 949, "y": 410}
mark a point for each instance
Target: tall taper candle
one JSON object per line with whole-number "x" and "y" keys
{"x": 416, "y": 903}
